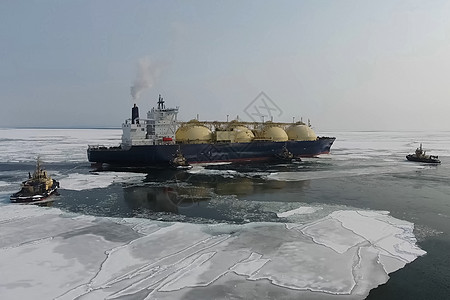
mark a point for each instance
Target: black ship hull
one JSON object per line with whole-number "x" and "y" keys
{"x": 430, "y": 160}
{"x": 23, "y": 197}
{"x": 160, "y": 155}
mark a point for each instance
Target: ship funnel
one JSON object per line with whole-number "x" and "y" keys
{"x": 135, "y": 114}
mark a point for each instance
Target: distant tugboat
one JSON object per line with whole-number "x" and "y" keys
{"x": 37, "y": 188}
{"x": 420, "y": 156}
{"x": 179, "y": 161}
{"x": 285, "y": 155}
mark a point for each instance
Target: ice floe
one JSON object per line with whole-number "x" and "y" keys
{"x": 46, "y": 253}
{"x": 300, "y": 210}
{"x": 200, "y": 169}
{"x": 78, "y": 181}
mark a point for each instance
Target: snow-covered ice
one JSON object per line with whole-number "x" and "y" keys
{"x": 301, "y": 210}
{"x": 79, "y": 182}
{"x": 46, "y": 253}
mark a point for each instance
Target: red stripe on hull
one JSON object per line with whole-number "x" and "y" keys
{"x": 248, "y": 159}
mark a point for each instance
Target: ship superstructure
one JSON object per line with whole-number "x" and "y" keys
{"x": 153, "y": 141}
{"x": 159, "y": 127}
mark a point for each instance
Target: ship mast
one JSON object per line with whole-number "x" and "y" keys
{"x": 37, "y": 173}
{"x": 161, "y": 102}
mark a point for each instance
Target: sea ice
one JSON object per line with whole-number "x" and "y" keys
{"x": 79, "y": 182}
{"x": 46, "y": 254}
{"x": 300, "y": 210}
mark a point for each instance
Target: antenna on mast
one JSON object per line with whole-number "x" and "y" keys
{"x": 160, "y": 102}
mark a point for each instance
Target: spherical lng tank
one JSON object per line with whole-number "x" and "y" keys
{"x": 193, "y": 132}
{"x": 301, "y": 132}
{"x": 242, "y": 134}
{"x": 274, "y": 133}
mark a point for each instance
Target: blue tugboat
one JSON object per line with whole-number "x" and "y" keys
{"x": 420, "y": 156}
{"x": 156, "y": 140}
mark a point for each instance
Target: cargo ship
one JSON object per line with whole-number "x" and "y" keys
{"x": 156, "y": 141}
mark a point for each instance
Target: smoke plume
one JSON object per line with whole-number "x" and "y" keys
{"x": 148, "y": 73}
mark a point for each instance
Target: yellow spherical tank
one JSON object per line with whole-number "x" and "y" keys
{"x": 242, "y": 134}
{"x": 274, "y": 133}
{"x": 193, "y": 133}
{"x": 300, "y": 132}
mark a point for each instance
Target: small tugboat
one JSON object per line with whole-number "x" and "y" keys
{"x": 37, "y": 188}
{"x": 285, "y": 155}
{"x": 420, "y": 156}
{"x": 179, "y": 162}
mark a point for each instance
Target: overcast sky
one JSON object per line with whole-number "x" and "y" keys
{"x": 346, "y": 65}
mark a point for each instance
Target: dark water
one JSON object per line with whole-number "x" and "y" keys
{"x": 359, "y": 174}
{"x": 241, "y": 194}
{"x": 419, "y": 196}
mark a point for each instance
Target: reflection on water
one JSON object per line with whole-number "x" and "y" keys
{"x": 243, "y": 186}
{"x": 211, "y": 193}
{"x": 162, "y": 199}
